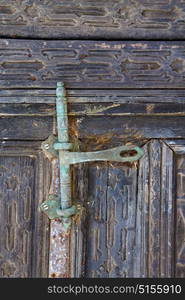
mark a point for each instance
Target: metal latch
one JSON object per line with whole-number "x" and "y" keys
{"x": 61, "y": 206}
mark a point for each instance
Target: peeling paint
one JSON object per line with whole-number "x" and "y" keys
{"x": 96, "y": 109}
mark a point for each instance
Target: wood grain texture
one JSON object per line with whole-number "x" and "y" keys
{"x": 24, "y": 243}
{"x": 110, "y": 222}
{"x": 180, "y": 218}
{"x": 130, "y": 216}
{"x": 92, "y": 64}
{"x": 134, "y": 224}
{"x": 178, "y": 147}
{"x": 118, "y": 19}
{"x": 93, "y": 96}
{"x": 101, "y": 132}
{"x": 78, "y": 233}
{"x": 22, "y": 128}
{"x": 155, "y": 212}
{"x": 92, "y": 109}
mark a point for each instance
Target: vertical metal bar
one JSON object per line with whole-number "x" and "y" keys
{"x": 61, "y": 110}
{"x": 63, "y": 137}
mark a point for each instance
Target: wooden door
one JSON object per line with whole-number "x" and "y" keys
{"x": 123, "y": 65}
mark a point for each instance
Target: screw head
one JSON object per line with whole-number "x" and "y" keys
{"x": 46, "y": 146}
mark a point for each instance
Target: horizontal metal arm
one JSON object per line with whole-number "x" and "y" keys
{"x": 118, "y": 154}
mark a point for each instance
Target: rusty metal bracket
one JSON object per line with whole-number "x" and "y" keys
{"x": 61, "y": 206}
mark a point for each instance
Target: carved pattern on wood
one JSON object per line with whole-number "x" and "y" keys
{"x": 92, "y": 64}
{"x": 13, "y": 219}
{"x": 135, "y": 223}
{"x": 155, "y": 212}
{"x": 23, "y": 244}
{"x": 85, "y": 18}
{"x": 180, "y": 216}
{"x": 110, "y": 222}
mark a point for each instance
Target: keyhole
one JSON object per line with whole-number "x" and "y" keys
{"x": 128, "y": 153}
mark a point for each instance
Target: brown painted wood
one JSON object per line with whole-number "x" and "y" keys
{"x": 118, "y": 19}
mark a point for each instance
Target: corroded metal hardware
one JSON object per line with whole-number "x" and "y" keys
{"x": 114, "y": 154}
{"x": 61, "y": 206}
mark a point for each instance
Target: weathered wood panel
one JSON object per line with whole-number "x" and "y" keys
{"x": 33, "y": 110}
{"x": 93, "y": 109}
{"x": 30, "y": 95}
{"x": 22, "y": 128}
{"x": 109, "y": 228}
{"x": 23, "y": 242}
{"x": 98, "y": 132}
{"x": 92, "y": 64}
{"x": 118, "y": 19}
{"x": 126, "y": 109}
{"x": 155, "y": 212}
{"x": 134, "y": 224}
{"x": 180, "y": 218}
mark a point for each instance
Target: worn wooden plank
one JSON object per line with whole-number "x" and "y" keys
{"x": 126, "y": 109}
{"x": 34, "y": 110}
{"x": 93, "y": 109}
{"x": 167, "y": 214}
{"x": 96, "y": 249}
{"x": 118, "y": 19}
{"x": 24, "y": 178}
{"x": 142, "y": 217}
{"x": 92, "y": 64}
{"x": 155, "y": 212}
{"x": 129, "y": 229}
{"x": 22, "y": 128}
{"x": 180, "y": 217}
{"x": 80, "y": 182}
{"x": 99, "y": 132}
{"x": 179, "y": 147}
{"x": 83, "y": 96}
{"x": 121, "y": 219}
{"x": 110, "y": 223}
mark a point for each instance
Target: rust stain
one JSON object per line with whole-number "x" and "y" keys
{"x": 78, "y": 217}
{"x": 74, "y": 135}
{"x": 97, "y": 109}
{"x": 149, "y": 108}
{"x": 97, "y": 141}
{"x": 59, "y": 260}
